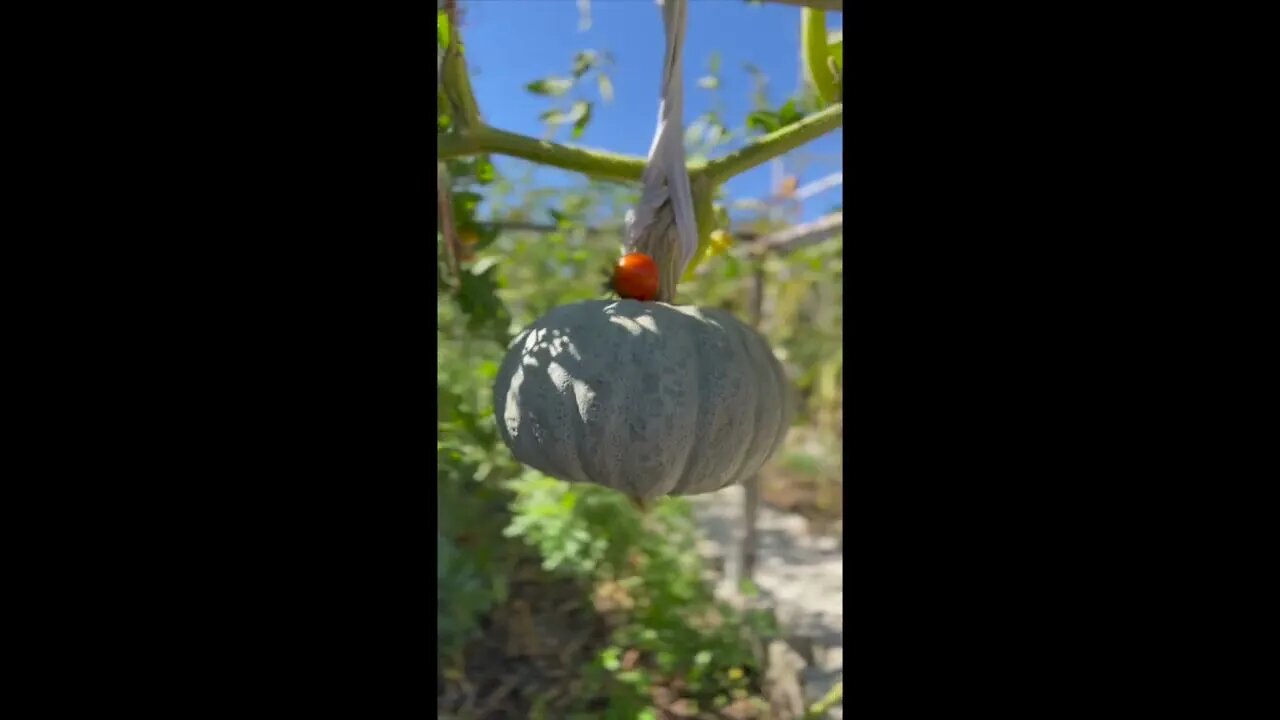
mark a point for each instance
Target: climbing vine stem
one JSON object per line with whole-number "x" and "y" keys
{"x": 455, "y": 81}
{"x": 484, "y": 139}
{"x": 774, "y": 144}
{"x": 612, "y": 166}
{"x": 830, "y": 5}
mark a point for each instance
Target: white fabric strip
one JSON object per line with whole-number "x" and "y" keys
{"x": 665, "y": 178}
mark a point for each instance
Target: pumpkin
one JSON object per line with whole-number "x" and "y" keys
{"x": 646, "y": 398}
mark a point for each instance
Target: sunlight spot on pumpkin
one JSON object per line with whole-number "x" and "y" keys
{"x": 648, "y": 323}
{"x": 529, "y": 361}
{"x": 534, "y": 340}
{"x": 511, "y": 414}
{"x": 585, "y": 398}
{"x": 558, "y": 375}
{"x": 631, "y": 325}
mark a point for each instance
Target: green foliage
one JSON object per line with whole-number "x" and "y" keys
{"x": 767, "y": 121}
{"x": 677, "y": 625}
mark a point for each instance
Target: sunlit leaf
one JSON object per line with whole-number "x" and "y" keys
{"x": 465, "y": 204}
{"x": 693, "y": 133}
{"x": 552, "y": 86}
{"x": 606, "y": 87}
{"x": 476, "y": 297}
{"x": 788, "y": 114}
{"x": 765, "y": 121}
{"x": 485, "y": 172}
{"x": 557, "y": 117}
{"x": 580, "y": 125}
{"x": 715, "y": 131}
{"x": 583, "y": 61}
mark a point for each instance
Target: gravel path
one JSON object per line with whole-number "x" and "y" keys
{"x": 800, "y": 575}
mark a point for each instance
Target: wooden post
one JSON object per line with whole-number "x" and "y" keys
{"x": 751, "y": 504}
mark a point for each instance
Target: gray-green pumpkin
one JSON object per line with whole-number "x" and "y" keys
{"x": 646, "y": 398}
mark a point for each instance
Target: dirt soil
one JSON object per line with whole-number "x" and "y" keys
{"x": 528, "y": 658}
{"x": 818, "y": 501}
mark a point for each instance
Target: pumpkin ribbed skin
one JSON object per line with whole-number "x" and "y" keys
{"x": 648, "y": 399}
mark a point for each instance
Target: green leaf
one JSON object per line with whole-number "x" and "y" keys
{"x": 447, "y": 404}
{"x": 708, "y": 82}
{"x": 766, "y": 121}
{"x": 606, "y": 87}
{"x": 483, "y": 266}
{"x": 485, "y": 172}
{"x": 464, "y": 207}
{"x": 557, "y": 117}
{"x": 722, "y": 216}
{"x": 715, "y": 133}
{"x": 485, "y": 235}
{"x": 583, "y": 61}
{"x": 789, "y": 115}
{"x": 581, "y": 125}
{"x": 477, "y": 297}
{"x": 552, "y": 86}
{"x": 693, "y": 134}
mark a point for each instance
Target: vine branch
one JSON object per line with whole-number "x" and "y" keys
{"x": 526, "y": 226}
{"x": 774, "y": 144}
{"x": 781, "y": 242}
{"x": 605, "y": 165}
{"x": 829, "y": 5}
{"x": 596, "y": 163}
{"x": 798, "y": 236}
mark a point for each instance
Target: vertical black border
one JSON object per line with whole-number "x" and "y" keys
{"x": 998, "y": 420}
{"x": 280, "y": 360}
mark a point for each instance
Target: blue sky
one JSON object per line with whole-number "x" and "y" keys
{"x": 513, "y": 42}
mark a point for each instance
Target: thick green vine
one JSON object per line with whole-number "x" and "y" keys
{"x": 816, "y": 54}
